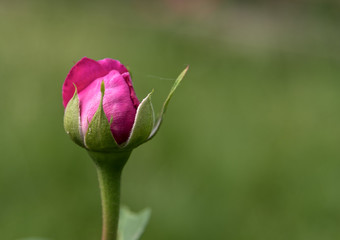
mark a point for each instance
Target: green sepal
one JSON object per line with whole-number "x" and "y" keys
{"x": 144, "y": 121}
{"x": 72, "y": 119}
{"x": 131, "y": 225}
{"x": 99, "y": 136}
{"x": 165, "y": 105}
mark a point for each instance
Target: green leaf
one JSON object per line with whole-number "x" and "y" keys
{"x": 143, "y": 124}
{"x": 72, "y": 120}
{"x": 98, "y": 136}
{"x": 131, "y": 225}
{"x": 165, "y": 105}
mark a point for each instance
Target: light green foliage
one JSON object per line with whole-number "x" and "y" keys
{"x": 72, "y": 119}
{"x": 143, "y": 124}
{"x": 131, "y": 225}
{"x": 165, "y": 105}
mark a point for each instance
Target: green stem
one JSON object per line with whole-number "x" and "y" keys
{"x": 109, "y": 169}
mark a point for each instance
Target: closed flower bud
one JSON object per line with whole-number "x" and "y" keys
{"x": 102, "y": 111}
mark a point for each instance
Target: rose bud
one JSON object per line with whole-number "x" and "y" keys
{"x": 102, "y": 111}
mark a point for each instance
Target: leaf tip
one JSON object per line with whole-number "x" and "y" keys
{"x": 102, "y": 88}
{"x": 186, "y": 69}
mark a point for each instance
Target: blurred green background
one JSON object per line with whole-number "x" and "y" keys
{"x": 249, "y": 148}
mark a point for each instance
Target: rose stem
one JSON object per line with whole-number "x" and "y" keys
{"x": 109, "y": 169}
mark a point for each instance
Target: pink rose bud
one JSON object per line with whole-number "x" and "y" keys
{"x": 102, "y": 111}
{"x": 120, "y": 101}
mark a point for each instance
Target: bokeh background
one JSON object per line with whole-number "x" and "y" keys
{"x": 249, "y": 148}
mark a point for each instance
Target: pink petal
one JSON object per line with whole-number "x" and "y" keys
{"x": 110, "y": 64}
{"x": 87, "y": 70}
{"x": 133, "y": 95}
{"x": 117, "y": 104}
{"x": 81, "y": 74}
